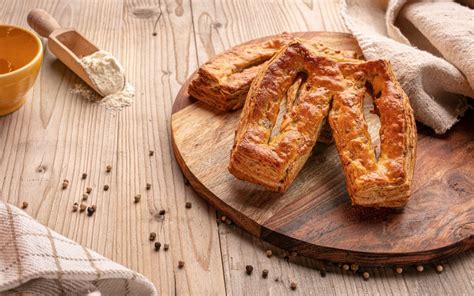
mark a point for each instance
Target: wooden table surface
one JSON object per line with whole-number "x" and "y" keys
{"x": 58, "y": 135}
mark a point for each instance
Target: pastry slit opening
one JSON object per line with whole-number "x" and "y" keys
{"x": 287, "y": 102}
{"x": 294, "y": 90}
{"x": 372, "y": 118}
{"x": 250, "y": 65}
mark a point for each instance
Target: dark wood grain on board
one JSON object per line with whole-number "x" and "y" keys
{"x": 315, "y": 217}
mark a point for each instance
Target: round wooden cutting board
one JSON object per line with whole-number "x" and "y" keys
{"x": 315, "y": 217}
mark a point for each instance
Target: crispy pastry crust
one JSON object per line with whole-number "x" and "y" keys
{"x": 272, "y": 158}
{"x": 223, "y": 82}
{"x": 386, "y": 181}
{"x": 305, "y": 80}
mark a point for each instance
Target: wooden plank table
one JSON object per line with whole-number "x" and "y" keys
{"x": 58, "y": 135}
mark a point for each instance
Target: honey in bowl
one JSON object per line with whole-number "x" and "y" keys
{"x": 21, "y": 53}
{"x": 17, "y": 48}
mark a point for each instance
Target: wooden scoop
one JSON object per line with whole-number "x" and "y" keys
{"x": 66, "y": 44}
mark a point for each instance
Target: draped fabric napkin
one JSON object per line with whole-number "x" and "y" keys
{"x": 35, "y": 260}
{"x": 431, "y": 48}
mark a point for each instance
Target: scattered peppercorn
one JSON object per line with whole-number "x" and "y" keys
{"x": 162, "y": 212}
{"x": 154, "y": 34}
{"x": 137, "y": 198}
{"x": 180, "y": 264}
{"x": 293, "y": 286}
{"x": 249, "y": 269}
{"x": 439, "y": 268}
{"x": 322, "y": 272}
{"x": 88, "y": 190}
{"x": 188, "y": 205}
{"x": 265, "y": 273}
{"x": 345, "y": 267}
{"x": 157, "y": 246}
{"x": 269, "y": 253}
{"x": 399, "y": 270}
{"x": 75, "y": 207}
{"x": 65, "y": 183}
{"x": 90, "y": 211}
{"x": 354, "y": 266}
{"x": 24, "y": 205}
{"x": 166, "y": 247}
{"x": 106, "y": 187}
{"x": 82, "y": 207}
{"x": 365, "y": 275}
{"x": 108, "y": 168}
{"x": 84, "y": 176}
{"x": 85, "y": 196}
{"x": 152, "y": 236}
{"x": 148, "y": 186}
{"x": 420, "y": 268}
{"x": 151, "y": 153}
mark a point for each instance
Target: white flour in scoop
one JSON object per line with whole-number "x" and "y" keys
{"x": 108, "y": 76}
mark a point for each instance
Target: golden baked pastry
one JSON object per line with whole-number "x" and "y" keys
{"x": 376, "y": 181}
{"x": 269, "y": 150}
{"x": 223, "y": 82}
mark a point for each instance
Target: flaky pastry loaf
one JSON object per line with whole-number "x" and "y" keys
{"x": 224, "y": 80}
{"x": 383, "y": 180}
{"x": 295, "y": 79}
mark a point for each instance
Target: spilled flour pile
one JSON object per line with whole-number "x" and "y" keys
{"x": 108, "y": 76}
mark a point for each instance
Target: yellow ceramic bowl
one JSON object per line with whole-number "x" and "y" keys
{"x": 21, "y": 54}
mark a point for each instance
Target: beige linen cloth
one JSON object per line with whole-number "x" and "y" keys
{"x": 431, "y": 47}
{"x": 34, "y": 260}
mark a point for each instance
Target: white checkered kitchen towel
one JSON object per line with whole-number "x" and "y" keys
{"x": 35, "y": 260}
